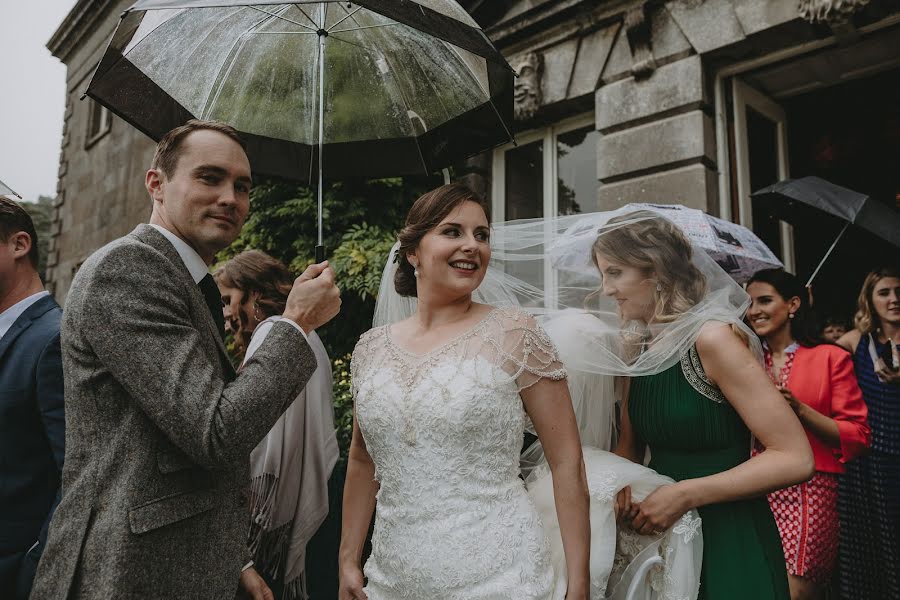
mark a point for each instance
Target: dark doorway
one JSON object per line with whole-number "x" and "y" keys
{"x": 850, "y": 135}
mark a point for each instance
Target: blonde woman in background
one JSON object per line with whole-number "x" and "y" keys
{"x": 869, "y": 490}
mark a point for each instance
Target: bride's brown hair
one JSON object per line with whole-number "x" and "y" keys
{"x": 426, "y": 213}
{"x": 655, "y": 245}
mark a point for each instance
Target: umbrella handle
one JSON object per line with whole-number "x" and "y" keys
{"x": 320, "y": 253}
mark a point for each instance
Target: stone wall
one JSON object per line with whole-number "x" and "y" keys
{"x": 100, "y": 192}
{"x": 648, "y": 66}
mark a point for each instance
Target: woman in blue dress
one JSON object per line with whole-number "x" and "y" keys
{"x": 869, "y": 492}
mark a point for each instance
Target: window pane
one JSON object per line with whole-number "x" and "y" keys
{"x": 763, "y": 150}
{"x": 576, "y": 153}
{"x": 95, "y": 121}
{"x": 525, "y": 181}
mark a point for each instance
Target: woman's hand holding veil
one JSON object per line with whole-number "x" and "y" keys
{"x": 661, "y": 509}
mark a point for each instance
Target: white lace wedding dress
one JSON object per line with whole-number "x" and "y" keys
{"x": 454, "y": 519}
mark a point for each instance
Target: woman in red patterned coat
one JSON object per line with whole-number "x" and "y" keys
{"x": 818, "y": 381}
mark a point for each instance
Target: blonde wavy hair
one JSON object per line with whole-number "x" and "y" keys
{"x": 655, "y": 245}
{"x": 866, "y": 319}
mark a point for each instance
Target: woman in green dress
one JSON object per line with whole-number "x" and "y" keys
{"x": 696, "y": 416}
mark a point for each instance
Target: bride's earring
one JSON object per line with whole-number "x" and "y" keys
{"x": 256, "y": 314}
{"x": 415, "y": 270}
{"x": 658, "y": 287}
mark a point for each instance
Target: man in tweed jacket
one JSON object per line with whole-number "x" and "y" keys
{"x": 159, "y": 428}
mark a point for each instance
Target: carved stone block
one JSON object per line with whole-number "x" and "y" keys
{"x": 690, "y": 136}
{"x": 530, "y": 68}
{"x": 593, "y": 51}
{"x": 559, "y": 61}
{"x": 693, "y": 186}
{"x": 830, "y": 12}
{"x": 638, "y": 29}
{"x": 708, "y": 25}
{"x": 759, "y": 15}
{"x": 672, "y": 86}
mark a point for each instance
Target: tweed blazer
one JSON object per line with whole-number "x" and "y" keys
{"x": 159, "y": 431}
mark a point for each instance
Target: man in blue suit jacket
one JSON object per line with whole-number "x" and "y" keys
{"x": 32, "y": 420}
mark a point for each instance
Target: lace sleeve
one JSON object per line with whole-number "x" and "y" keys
{"x": 528, "y": 353}
{"x": 362, "y": 355}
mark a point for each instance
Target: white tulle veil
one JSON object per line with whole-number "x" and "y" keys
{"x": 546, "y": 267}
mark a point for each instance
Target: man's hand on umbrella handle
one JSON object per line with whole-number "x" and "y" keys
{"x": 314, "y": 300}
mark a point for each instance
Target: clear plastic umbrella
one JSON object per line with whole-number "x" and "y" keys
{"x": 734, "y": 247}
{"x": 376, "y": 87}
{"x": 5, "y": 190}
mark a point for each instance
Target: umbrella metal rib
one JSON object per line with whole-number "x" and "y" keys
{"x": 307, "y": 16}
{"x": 277, "y": 16}
{"x": 364, "y": 27}
{"x": 344, "y": 18}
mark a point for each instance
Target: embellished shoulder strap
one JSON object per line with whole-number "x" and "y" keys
{"x": 522, "y": 348}
{"x": 696, "y": 376}
{"x": 369, "y": 346}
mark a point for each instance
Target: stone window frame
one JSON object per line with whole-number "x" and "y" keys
{"x": 549, "y": 136}
{"x": 99, "y": 123}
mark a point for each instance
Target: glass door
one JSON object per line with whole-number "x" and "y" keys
{"x": 761, "y": 159}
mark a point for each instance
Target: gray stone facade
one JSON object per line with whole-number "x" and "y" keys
{"x": 651, "y": 72}
{"x": 100, "y": 191}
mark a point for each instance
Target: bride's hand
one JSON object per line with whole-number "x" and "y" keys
{"x": 351, "y": 584}
{"x": 660, "y": 510}
{"x": 624, "y": 509}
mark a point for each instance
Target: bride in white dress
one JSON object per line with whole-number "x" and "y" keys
{"x": 443, "y": 399}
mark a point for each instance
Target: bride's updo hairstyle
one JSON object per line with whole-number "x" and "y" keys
{"x": 646, "y": 241}
{"x": 426, "y": 213}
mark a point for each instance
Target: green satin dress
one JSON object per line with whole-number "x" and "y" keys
{"x": 692, "y": 431}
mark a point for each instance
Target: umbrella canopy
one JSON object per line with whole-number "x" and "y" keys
{"x": 5, "y": 190}
{"x": 734, "y": 247}
{"x": 408, "y": 86}
{"x": 796, "y": 200}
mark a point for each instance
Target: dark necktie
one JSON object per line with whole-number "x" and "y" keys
{"x": 213, "y": 302}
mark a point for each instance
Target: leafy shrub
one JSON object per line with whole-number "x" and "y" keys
{"x": 343, "y": 403}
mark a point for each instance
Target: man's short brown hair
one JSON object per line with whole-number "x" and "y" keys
{"x": 168, "y": 150}
{"x": 13, "y": 219}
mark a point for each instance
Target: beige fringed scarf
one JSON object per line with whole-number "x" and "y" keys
{"x": 289, "y": 472}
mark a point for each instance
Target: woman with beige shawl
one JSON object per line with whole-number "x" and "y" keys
{"x": 290, "y": 467}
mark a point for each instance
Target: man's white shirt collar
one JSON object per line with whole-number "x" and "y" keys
{"x": 9, "y": 316}
{"x": 195, "y": 265}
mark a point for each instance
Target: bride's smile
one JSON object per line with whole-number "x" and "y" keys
{"x": 452, "y": 258}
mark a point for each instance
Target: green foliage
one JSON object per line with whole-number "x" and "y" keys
{"x": 41, "y": 214}
{"x": 343, "y": 403}
{"x": 361, "y": 219}
{"x": 360, "y": 258}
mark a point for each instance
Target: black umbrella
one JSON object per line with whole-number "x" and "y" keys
{"x": 795, "y": 200}
{"x": 377, "y": 87}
